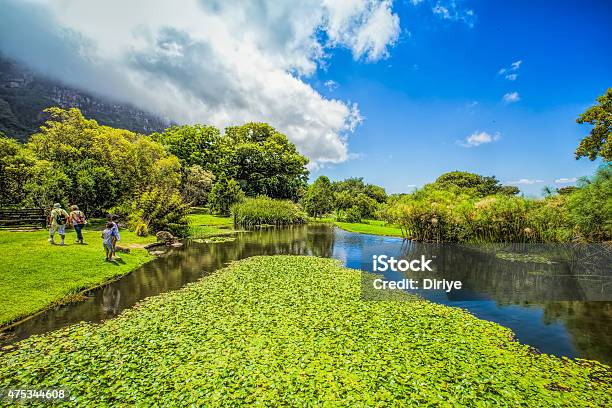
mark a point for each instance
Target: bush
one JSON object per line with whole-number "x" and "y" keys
{"x": 590, "y": 207}
{"x": 224, "y": 194}
{"x": 159, "y": 210}
{"x": 351, "y": 215}
{"x": 265, "y": 210}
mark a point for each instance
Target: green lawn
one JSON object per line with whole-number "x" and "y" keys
{"x": 374, "y": 227}
{"x": 294, "y": 331}
{"x": 35, "y": 274}
{"x": 205, "y": 225}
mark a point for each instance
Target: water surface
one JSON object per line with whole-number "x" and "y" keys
{"x": 551, "y": 307}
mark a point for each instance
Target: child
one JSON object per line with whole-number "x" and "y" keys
{"x": 115, "y": 236}
{"x": 107, "y": 241}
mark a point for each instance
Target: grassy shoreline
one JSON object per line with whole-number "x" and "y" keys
{"x": 372, "y": 227}
{"x": 293, "y": 330}
{"x": 36, "y": 276}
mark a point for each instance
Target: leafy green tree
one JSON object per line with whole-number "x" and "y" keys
{"x": 193, "y": 145}
{"x": 264, "y": 162}
{"x": 473, "y": 184}
{"x": 16, "y": 165}
{"x": 157, "y": 210}
{"x": 566, "y": 190}
{"x": 366, "y": 205}
{"x": 197, "y": 185}
{"x": 319, "y": 198}
{"x": 598, "y": 142}
{"x": 375, "y": 192}
{"x": 104, "y": 166}
{"x": 224, "y": 194}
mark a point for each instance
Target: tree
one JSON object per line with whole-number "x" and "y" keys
{"x": 223, "y": 195}
{"x": 264, "y": 162}
{"x": 197, "y": 185}
{"x": 319, "y": 199}
{"x": 598, "y": 142}
{"x": 157, "y": 210}
{"x": 193, "y": 145}
{"x": 473, "y": 184}
{"x": 102, "y": 165}
{"x": 366, "y": 205}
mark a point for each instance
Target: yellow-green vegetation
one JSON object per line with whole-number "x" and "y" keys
{"x": 294, "y": 331}
{"x": 375, "y": 227}
{"x": 36, "y": 274}
{"x": 267, "y": 211}
{"x": 205, "y": 225}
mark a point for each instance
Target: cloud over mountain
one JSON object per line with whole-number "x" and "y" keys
{"x": 212, "y": 62}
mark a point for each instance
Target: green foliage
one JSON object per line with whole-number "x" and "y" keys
{"x": 590, "y": 206}
{"x": 193, "y": 145}
{"x": 95, "y": 166}
{"x": 354, "y": 194}
{"x": 159, "y": 210}
{"x": 258, "y": 157}
{"x": 224, "y": 194}
{"x": 319, "y": 198}
{"x": 267, "y": 211}
{"x": 473, "y": 184}
{"x": 598, "y": 142}
{"x": 197, "y": 185}
{"x": 450, "y": 215}
{"x": 289, "y": 330}
{"x": 353, "y": 214}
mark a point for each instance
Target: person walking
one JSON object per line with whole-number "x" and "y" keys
{"x": 77, "y": 218}
{"x": 107, "y": 241}
{"x": 57, "y": 221}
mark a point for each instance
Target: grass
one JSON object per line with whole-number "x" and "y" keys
{"x": 267, "y": 211}
{"x": 36, "y": 274}
{"x": 293, "y": 331}
{"x": 205, "y": 225}
{"x": 374, "y": 227}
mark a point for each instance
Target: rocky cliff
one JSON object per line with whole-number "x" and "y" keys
{"x": 24, "y": 95}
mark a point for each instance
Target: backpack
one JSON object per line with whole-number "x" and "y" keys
{"x": 60, "y": 218}
{"x": 79, "y": 217}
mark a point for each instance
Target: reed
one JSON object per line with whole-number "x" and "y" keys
{"x": 267, "y": 211}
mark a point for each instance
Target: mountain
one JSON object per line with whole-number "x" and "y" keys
{"x": 24, "y": 94}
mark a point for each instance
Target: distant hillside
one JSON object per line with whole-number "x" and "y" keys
{"x": 24, "y": 95}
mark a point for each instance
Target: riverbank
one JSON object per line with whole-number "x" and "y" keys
{"x": 291, "y": 330}
{"x": 372, "y": 227}
{"x": 36, "y": 275}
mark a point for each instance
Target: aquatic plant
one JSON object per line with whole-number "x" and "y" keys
{"x": 287, "y": 331}
{"x": 265, "y": 210}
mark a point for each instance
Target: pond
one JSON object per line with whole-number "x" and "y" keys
{"x": 553, "y": 304}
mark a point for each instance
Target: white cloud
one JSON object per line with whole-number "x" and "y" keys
{"x": 525, "y": 181}
{"x": 479, "y": 138}
{"x": 511, "y": 72}
{"x": 449, "y": 10}
{"x": 213, "y": 62}
{"x": 330, "y": 85}
{"x": 511, "y": 97}
{"x": 563, "y": 180}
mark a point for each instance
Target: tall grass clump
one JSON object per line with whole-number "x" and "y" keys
{"x": 267, "y": 211}
{"x": 449, "y": 215}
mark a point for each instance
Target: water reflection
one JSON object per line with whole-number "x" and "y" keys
{"x": 546, "y": 305}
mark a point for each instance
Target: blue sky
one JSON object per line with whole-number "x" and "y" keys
{"x": 397, "y": 92}
{"x": 441, "y": 83}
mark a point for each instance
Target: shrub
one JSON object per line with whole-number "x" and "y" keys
{"x": 351, "y": 215}
{"x": 224, "y": 194}
{"x": 265, "y": 210}
{"x": 159, "y": 210}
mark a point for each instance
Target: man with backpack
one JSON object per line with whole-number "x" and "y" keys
{"x": 77, "y": 218}
{"x": 57, "y": 221}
